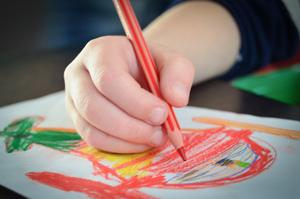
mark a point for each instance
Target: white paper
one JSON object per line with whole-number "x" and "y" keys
{"x": 280, "y": 180}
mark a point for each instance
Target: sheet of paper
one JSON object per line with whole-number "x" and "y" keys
{"x": 229, "y": 155}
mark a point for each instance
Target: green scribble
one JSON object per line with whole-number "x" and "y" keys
{"x": 226, "y": 162}
{"x": 19, "y": 136}
{"x": 242, "y": 164}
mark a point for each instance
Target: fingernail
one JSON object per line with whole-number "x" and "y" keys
{"x": 158, "y": 115}
{"x": 180, "y": 90}
{"x": 157, "y": 137}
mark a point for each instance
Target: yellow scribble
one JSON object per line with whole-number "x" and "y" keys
{"x": 121, "y": 162}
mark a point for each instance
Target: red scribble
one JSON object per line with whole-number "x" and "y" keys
{"x": 204, "y": 148}
{"x": 91, "y": 188}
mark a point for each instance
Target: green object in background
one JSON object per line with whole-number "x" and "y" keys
{"x": 282, "y": 85}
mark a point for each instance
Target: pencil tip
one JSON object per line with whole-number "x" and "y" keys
{"x": 181, "y": 152}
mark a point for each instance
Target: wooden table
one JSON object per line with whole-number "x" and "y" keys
{"x": 30, "y": 76}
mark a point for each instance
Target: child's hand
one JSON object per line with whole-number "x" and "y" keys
{"x": 108, "y": 100}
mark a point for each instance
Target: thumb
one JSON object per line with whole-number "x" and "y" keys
{"x": 176, "y": 77}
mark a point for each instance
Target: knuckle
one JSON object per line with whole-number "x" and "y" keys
{"x": 184, "y": 66}
{"x": 182, "y": 61}
{"x": 104, "y": 78}
{"x": 145, "y": 107}
{"x": 67, "y": 72}
{"x": 109, "y": 43}
{"x": 95, "y": 48}
{"x": 108, "y": 39}
{"x": 137, "y": 133}
{"x": 92, "y": 138}
{"x": 93, "y": 44}
{"x": 88, "y": 136}
{"x": 187, "y": 64}
{"x": 99, "y": 43}
{"x": 86, "y": 106}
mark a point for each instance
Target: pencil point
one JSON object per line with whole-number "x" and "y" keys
{"x": 182, "y": 153}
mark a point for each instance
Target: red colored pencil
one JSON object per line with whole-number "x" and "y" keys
{"x": 135, "y": 35}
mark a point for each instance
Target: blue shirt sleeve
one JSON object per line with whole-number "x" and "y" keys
{"x": 268, "y": 34}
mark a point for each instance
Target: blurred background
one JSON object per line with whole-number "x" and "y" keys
{"x": 38, "y": 39}
{"x": 29, "y": 66}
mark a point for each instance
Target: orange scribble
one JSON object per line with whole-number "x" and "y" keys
{"x": 294, "y": 134}
{"x": 66, "y": 130}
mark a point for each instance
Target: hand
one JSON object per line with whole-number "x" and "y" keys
{"x": 108, "y": 100}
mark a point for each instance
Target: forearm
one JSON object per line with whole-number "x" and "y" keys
{"x": 202, "y": 31}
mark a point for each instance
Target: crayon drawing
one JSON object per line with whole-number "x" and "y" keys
{"x": 217, "y": 156}
{"x": 229, "y": 154}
